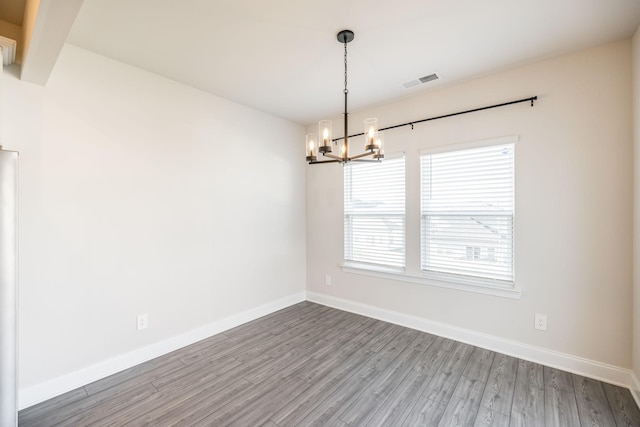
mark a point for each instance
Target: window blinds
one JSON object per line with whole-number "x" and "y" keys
{"x": 468, "y": 212}
{"x": 374, "y": 212}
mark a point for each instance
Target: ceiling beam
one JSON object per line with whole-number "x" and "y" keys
{"x": 45, "y": 28}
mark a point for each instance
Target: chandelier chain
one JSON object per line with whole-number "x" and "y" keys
{"x": 345, "y": 68}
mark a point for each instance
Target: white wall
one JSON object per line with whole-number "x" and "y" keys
{"x": 141, "y": 195}
{"x": 635, "y": 386}
{"x": 573, "y": 205}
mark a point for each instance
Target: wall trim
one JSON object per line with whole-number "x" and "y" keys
{"x": 475, "y": 286}
{"x": 575, "y": 364}
{"x": 589, "y": 368}
{"x": 635, "y": 388}
{"x": 40, "y": 392}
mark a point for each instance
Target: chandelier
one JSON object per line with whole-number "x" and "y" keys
{"x": 323, "y": 142}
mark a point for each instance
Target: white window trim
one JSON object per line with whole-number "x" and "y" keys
{"x": 500, "y": 140}
{"x": 458, "y": 283}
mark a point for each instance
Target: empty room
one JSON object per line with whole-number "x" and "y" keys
{"x": 319, "y": 213}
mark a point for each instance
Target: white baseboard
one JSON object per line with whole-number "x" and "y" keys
{"x": 588, "y": 368}
{"x": 46, "y": 390}
{"x": 578, "y": 365}
{"x": 635, "y": 388}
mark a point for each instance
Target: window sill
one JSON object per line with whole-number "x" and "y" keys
{"x": 399, "y": 275}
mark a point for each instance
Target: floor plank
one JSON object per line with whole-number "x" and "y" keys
{"x": 327, "y": 412}
{"x": 446, "y": 378}
{"x": 479, "y": 365}
{"x": 364, "y": 408}
{"x": 187, "y": 409}
{"x": 593, "y": 407}
{"x": 314, "y": 365}
{"x": 528, "y": 399}
{"x": 462, "y": 408}
{"x": 495, "y": 406}
{"x": 34, "y": 414}
{"x": 426, "y": 413}
{"x": 299, "y": 407}
{"x": 396, "y": 408}
{"x": 114, "y": 408}
{"x": 560, "y": 408}
{"x": 624, "y": 409}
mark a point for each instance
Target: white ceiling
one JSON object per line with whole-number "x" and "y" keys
{"x": 282, "y": 56}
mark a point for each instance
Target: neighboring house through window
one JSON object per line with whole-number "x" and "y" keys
{"x": 468, "y": 212}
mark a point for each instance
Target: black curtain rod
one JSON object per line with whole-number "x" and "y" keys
{"x": 530, "y": 99}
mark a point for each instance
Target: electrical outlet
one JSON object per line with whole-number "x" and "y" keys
{"x": 540, "y": 321}
{"x": 327, "y": 280}
{"x": 143, "y": 321}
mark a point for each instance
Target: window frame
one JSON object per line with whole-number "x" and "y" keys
{"x": 413, "y": 273}
{"x": 467, "y": 278}
{"x": 348, "y": 243}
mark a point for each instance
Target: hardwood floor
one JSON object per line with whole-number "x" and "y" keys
{"x": 310, "y": 365}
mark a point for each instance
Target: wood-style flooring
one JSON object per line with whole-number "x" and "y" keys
{"x": 312, "y": 365}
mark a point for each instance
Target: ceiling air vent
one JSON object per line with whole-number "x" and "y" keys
{"x": 420, "y": 80}
{"x": 8, "y": 48}
{"x": 429, "y": 78}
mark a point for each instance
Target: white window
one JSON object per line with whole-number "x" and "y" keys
{"x": 468, "y": 212}
{"x": 374, "y": 213}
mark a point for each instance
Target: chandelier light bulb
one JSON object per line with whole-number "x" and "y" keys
{"x": 324, "y": 133}
{"x": 379, "y": 146}
{"x": 370, "y": 131}
{"x": 312, "y": 156}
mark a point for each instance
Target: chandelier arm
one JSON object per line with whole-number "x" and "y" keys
{"x": 315, "y": 162}
{"x": 367, "y": 154}
{"x": 331, "y": 156}
{"x": 366, "y": 160}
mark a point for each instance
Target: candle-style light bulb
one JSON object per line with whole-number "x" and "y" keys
{"x": 379, "y": 146}
{"x": 370, "y": 131}
{"x": 311, "y": 147}
{"x": 324, "y": 136}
